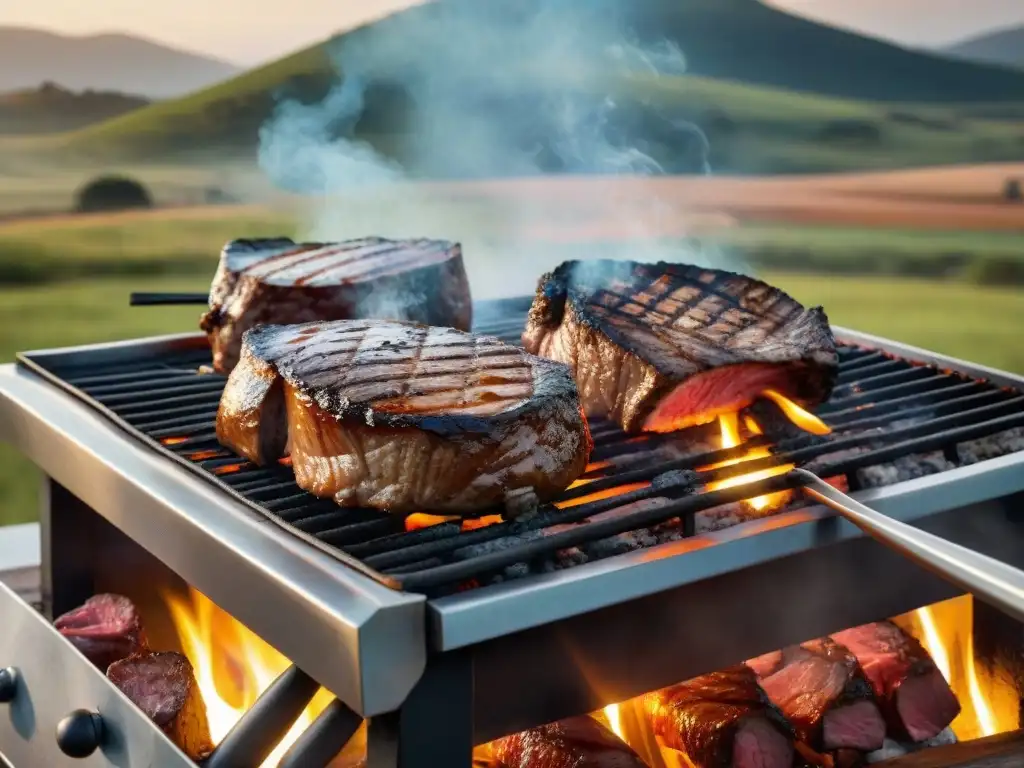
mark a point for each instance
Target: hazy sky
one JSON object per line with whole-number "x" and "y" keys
{"x": 249, "y": 31}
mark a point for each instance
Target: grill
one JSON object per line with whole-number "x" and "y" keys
{"x": 159, "y": 397}
{"x": 504, "y": 624}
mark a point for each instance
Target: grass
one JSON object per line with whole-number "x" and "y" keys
{"x": 955, "y": 319}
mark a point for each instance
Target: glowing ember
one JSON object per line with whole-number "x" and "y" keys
{"x": 202, "y": 455}
{"x": 804, "y": 419}
{"x": 233, "y": 667}
{"x": 227, "y": 470}
{"x": 608, "y": 493}
{"x": 285, "y": 462}
{"x": 594, "y": 466}
{"x": 173, "y": 440}
{"x": 730, "y": 426}
{"x": 419, "y": 520}
{"x": 989, "y": 704}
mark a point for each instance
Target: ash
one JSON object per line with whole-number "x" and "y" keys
{"x": 992, "y": 447}
{"x": 903, "y": 469}
{"x": 892, "y": 749}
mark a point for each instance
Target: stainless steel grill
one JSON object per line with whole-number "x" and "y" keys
{"x": 138, "y": 492}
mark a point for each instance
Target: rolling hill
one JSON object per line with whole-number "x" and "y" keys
{"x": 1004, "y": 47}
{"x": 107, "y": 62}
{"x": 747, "y": 65}
{"x": 52, "y": 109}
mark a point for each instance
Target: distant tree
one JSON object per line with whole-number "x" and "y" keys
{"x": 1012, "y": 191}
{"x": 112, "y": 193}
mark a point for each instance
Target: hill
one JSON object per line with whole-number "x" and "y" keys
{"x": 493, "y": 103}
{"x": 107, "y": 62}
{"x": 52, "y": 109}
{"x": 1004, "y": 47}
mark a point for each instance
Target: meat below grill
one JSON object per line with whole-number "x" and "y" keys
{"x": 915, "y": 698}
{"x": 404, "y": 417}
{"x": 279, "y": 281}
{"x": 106, "y": 628}
{"x": 163, "y": 686}
{"x": 579, "y": 742}
{"x": 660, "y": 347}
{"x": 721, "y": 720}
{"x": 824, "y": 695}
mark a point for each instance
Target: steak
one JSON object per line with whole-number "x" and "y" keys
{"x": 915, "y": 698}
{"x": 105, "y": 629}
{"x": 404, "y": 417}
{"x": 822, "y": 692}
{"x": 579, "y": 742}
{"x": 163, "y": 686}
{"x": 721, "y": 720}
{"x": 660, "y": 347}
{"x": 280, "y": 281}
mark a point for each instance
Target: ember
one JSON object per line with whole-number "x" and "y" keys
{"x": 419, "y": 520}
{"x": 233, "y": 667}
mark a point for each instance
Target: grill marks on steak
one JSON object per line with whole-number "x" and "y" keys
{"x": 163, "y": 686}
{"x": 106, "y": 628}
{"x": 719, "y": 720}
{"x": 660, "y": 347}
{"x": 280, "y": 281}
{"x": 404, "y": 417}
{"x": 915, "y": 698}
{"x": 821, "y": 690}
{"x": 578, "y": 742}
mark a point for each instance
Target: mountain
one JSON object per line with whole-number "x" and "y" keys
{"x": 1004, "y": 47}
{"x": 107, "y": 62}
{"x": 444, "y": 82}
{"x": 52, "y": 109}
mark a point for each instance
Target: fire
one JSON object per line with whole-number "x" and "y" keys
{"x": 989, "y": 704}
{"x": 173, "y": 440}
{"x": 608, "y": 493}
{"x": 611, "y": 713}
{"x": 418, "y": 520}
{"x": 729, "y": 424}
{"x": 233, "y": 667}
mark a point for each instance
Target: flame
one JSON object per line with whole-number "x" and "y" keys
{"x": 418, "y": 520}
{"x": 989, "y": 704}
{"x": 233, "y": 667}
{"x": 203, "y": 455}
{"x": 804, "y": 419}
{"x": 227, "y": 469}
{"x": 608, "y": 493}
{"x": 173, "y": 440}
{"x": 612, "y": 714}
{"x": 729, "y": 423}
{"x": 594, "y": 466}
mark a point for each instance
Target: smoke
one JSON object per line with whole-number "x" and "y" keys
{"x": 470, "y": 90}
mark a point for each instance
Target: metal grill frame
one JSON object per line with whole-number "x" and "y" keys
{"x": 514, "y": 655}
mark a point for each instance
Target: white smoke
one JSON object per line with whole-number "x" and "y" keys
{"x": 510, "y": 89}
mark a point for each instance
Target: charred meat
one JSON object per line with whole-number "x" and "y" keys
{"x": 660, "y": 347}
{"x": 579, "y": 742}
{"x": 280, "y": 281}
{"x": 106, "y": 628}
{"x": 164, "y": 687}
{"x": 915, "y": 697}
{"x": 822, "y": 692}
{"x": 721, "y": 720}
{"x": 404, "y": 417}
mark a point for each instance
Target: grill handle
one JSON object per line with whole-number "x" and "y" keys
{"x": 166, "y": 299}
{"x": 996, "y": 583}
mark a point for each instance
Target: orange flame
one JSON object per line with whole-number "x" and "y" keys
{"x": 418, "y": 520}
{"x": 989, "y": 704}
{"x": 173, "y": 440}
{"x": 729, "y": 423}
{"x": 806, "y": 420}
{"x": 227, "y": 469}
{"x": 608, "y": 493}
{"x": 233, "y": 667}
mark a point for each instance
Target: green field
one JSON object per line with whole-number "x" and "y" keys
{"x": 953, "y": 318}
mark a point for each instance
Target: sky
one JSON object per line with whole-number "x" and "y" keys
{"x": 250, "y": 31}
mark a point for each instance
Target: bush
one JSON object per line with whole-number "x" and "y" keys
{"x": 996, "y": 271}
{"x": 112, "y": 193}
{"x": 1012, "y": 191}
{"x": 851, "y": 131}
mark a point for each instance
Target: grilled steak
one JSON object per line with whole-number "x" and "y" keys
{"x": 659, "y": 347}
{"x": 721, "y": 720}
{"x": 915, "y": 698}
{"x": 163, "y": 686}
{"x": 579, "y": 742}
{"x": 106, "y": 628}
{"x": 280, "y": 281}
{"x": 825, "y": 696}
{"x": 404, "y": 417}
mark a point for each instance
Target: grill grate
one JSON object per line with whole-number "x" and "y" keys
{"x": 882, "y": 409}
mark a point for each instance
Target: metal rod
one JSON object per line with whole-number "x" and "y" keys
{"x": 984, "y": 577}
{"x": 261, "y": 729}
{"x": 167, "y": 299}
{"x": 324, "y": 739}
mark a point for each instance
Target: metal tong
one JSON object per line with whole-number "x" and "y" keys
{"x": 996, "y": 583}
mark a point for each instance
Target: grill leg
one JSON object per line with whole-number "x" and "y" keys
{"x": 434, "y": 727}
{"x": 67, "y": 528}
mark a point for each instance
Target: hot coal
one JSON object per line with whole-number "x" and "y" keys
{"x": 903, "y": 469}
{"x": 164, "y": 687}
{"x": 1001, "y": 444}
{"x": 106, "y": 628}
